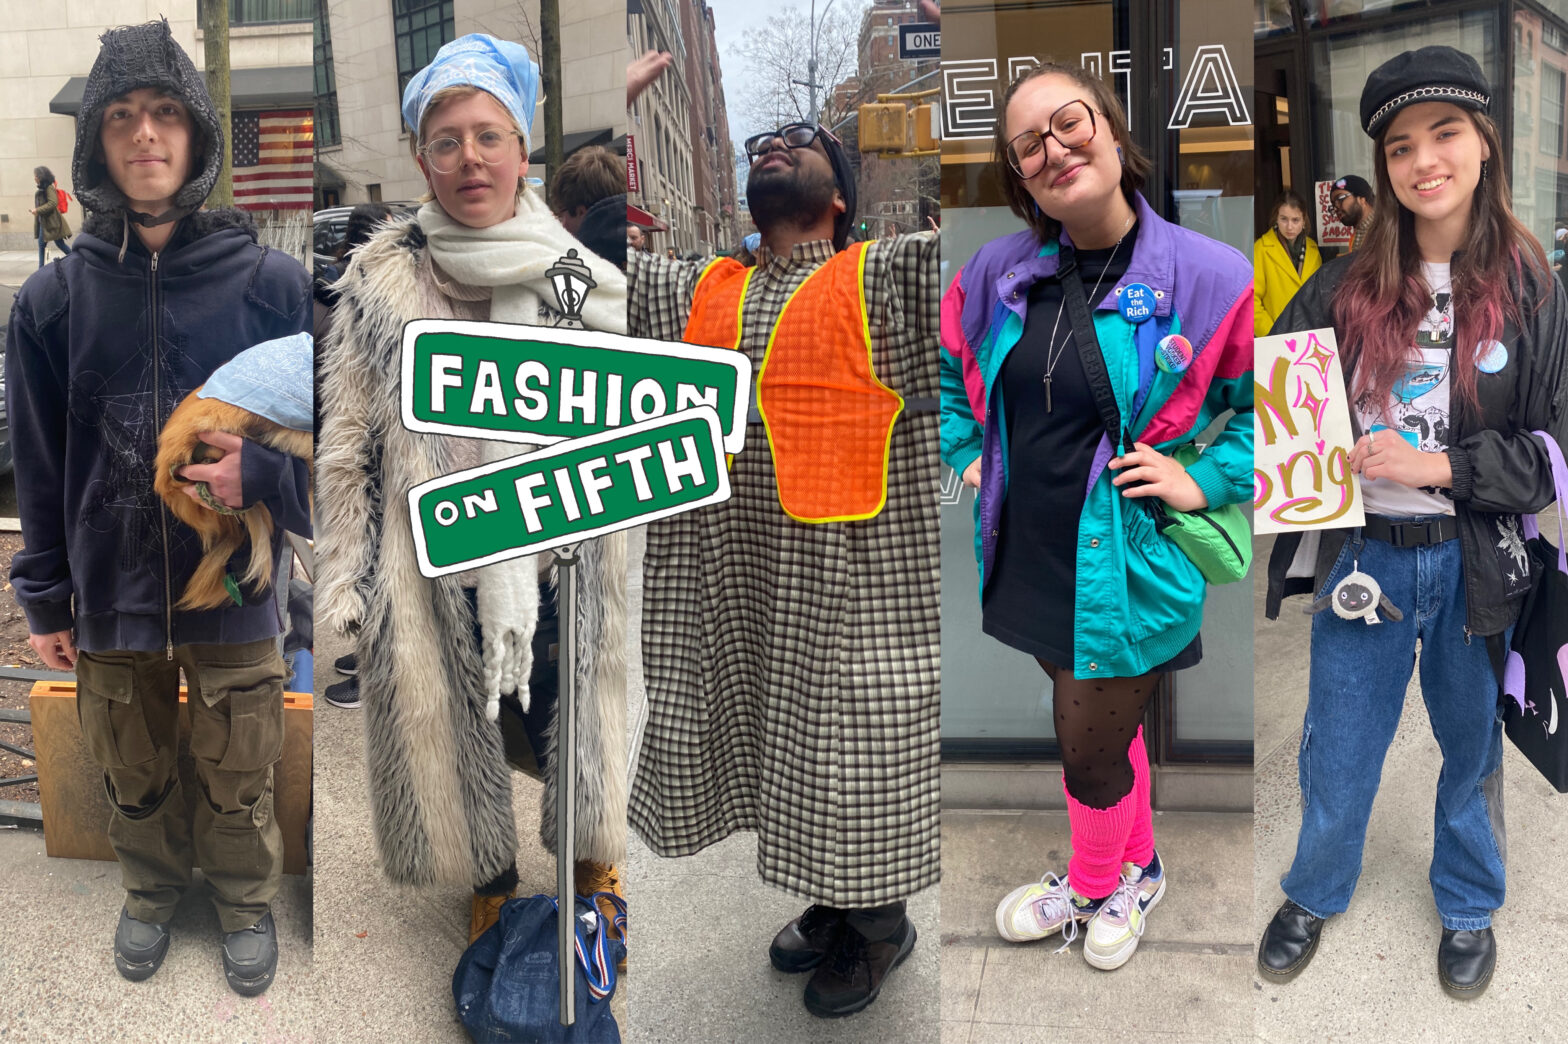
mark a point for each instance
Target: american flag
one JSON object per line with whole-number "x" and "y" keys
{"x": 272, "y": 159}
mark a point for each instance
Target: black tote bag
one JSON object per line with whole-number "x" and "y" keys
{"x": 1535, "y": 679}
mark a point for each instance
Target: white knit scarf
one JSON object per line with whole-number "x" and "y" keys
{"x": 511, "y": 258}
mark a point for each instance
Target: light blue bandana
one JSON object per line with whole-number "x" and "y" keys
{"x": 273, "y": 379}
{"x": 498, "y": 67}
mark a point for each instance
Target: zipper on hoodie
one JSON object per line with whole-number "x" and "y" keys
{"x": 163, "y": 514}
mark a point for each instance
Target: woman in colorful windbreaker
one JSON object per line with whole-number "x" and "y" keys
{"x": 1109, "y": 604}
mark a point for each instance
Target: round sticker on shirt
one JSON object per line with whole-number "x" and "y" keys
{"x": 1492, "y": 357}
{"x": 1173, "y": 354}
{"x": 1137, "y": 303}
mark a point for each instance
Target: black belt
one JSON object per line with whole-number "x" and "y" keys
{"x": 1411, "y": 534}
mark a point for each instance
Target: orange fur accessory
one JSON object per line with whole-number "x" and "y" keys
{"x": 224, "y": 531}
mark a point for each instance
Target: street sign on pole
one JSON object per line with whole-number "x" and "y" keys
{"x": 919, "y": 40}
{"x": 539, "y": 385}
{"x": 578, "y": 489}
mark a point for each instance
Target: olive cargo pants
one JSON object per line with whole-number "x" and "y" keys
{"x": 128, "y": 704}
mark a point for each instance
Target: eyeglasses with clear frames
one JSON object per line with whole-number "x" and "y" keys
{"x": 446, "y": 153}
{"x": 1072, "y": 126}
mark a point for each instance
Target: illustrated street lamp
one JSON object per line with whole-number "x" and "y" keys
{"x": 571, "y": 280}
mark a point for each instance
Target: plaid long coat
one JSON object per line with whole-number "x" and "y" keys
{"x": 793, "y": 669}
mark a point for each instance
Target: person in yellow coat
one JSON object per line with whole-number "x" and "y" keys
{"x": 1283, "y": 258}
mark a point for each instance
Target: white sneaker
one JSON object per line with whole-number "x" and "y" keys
{"x": 1114, "y": 930}
{"x": 1035, "y": 911}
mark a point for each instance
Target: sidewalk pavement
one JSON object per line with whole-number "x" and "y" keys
{"x": 57, "y": 977}
{"x": 17, "y": 265}
{"x": 705, "y": 921}
{"x": 1374, "y": 976}
{"x": 1187, "y": 984}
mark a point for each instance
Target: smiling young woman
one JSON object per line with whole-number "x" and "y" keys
{"x": 1451, "y": 327}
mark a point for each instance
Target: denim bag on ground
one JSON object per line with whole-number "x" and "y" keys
{"x": 507, "y": 987}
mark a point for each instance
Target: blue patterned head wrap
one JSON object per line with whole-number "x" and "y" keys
{"x": 500, "y": 68}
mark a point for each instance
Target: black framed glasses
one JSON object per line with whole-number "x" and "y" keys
{"x": 1072, "y": 126}
{"x": 795, "y": 135}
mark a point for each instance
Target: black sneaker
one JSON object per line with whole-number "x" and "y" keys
{"x": 348, "y": 666}
{"x": 250, "y": 957}
{"x": 344, "y": 694}
{"x": 850, "y": 977}
{"x": 139, "y": 947}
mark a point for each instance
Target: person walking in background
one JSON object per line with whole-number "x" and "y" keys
{"x": 1283, "y": 258}
{"x": 158, "y": 294}
{"x": 1452, "y": 330}
{"x": 48, "y": 223}
{"x": 1352, "y": 201}
{"x": 588, "y": 197}
{"x": 1066, "y": 538}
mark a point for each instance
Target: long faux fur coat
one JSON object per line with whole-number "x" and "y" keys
{"x": 440, "y": 786}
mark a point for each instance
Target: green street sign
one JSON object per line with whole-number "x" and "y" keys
{"x": 541, "y": 385}
{"x": 579, "y": 489}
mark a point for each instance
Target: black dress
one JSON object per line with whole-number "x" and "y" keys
{"x": 1030, "y": 598}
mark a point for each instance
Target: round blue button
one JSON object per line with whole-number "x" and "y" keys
{"x": 1137, "y": 303}
{"x": 1492, "y": 358}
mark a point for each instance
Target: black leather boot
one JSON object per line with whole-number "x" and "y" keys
{"x": 1465, "y": 961}
{"x": 250, "y": 957}
{"x": 802, "y": 943}
{"x": 139, "y": 947}
{"x": 850, "y": 978}
{"x": 1288, "y": 943}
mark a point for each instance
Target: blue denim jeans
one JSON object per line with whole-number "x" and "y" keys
{"x": 1356, "y": 693}
{"x": 41, "y": 244}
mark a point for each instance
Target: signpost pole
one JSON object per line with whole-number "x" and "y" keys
{"x": 566, "y": 780}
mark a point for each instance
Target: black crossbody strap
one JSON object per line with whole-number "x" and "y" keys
{"x": 1076, "y": 300}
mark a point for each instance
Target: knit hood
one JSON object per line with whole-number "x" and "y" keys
{"x": 130, "y": 58}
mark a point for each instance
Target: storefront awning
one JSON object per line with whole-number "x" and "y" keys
{"x": 570, "y": 143}
{"x": 635, "y": 215}
{"x": 327, "y": 178}
{"x": 285, "y": 86}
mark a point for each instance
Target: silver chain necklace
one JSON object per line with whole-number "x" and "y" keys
{"x": 1053, "y": 351}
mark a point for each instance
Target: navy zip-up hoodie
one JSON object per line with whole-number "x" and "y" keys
{"x": 99, "y": 351}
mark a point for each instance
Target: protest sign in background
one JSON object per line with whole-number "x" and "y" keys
{"x": 1301, "y": 472}
{"x": 1331, "y": 232}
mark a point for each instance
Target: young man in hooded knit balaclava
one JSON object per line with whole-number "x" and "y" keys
{"x": 101, "y": 347}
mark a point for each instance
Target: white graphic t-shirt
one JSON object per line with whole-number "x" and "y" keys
{"x": 1417, "y": 408}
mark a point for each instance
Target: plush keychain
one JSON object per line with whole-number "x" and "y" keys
{"x": 1358, "y": 596}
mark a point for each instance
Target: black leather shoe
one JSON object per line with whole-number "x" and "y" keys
{"x": 802, "y": 943}
{"x": 852, "y": 975}
{"x": 1288, "y": 943}
{"x": 1465, "y": 961}
{"x": 139, "y": 947}
{"x": 250, "y": 957}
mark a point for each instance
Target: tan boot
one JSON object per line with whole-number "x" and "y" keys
{"x": 591, "y": 877}
{"x": 484, "y": 911}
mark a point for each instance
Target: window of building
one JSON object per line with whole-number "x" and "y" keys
{"x": 1551, "y": 110}
{"x": 270, "y": 12}
{"x": 328, "y": 131}
{"x": 420, "y": 28}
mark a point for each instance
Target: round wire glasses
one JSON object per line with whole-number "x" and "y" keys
{"x": 446, "y": 154}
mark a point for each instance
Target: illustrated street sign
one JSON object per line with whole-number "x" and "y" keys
{"x": 540, "y": 385}
{"x": 584, "y": 487}
{"x": 919, "y": 40}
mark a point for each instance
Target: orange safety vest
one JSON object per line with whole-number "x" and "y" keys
{"x": 829, "y": 420}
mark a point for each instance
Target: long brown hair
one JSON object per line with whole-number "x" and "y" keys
{"x": 1290, "y": 198}
{"x": 1382, "y": 299}
{"x": 1135, "y": 165}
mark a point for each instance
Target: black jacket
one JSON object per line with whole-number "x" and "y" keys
{"x": 1500, "y": 470}
{"x": 99, "y": 352}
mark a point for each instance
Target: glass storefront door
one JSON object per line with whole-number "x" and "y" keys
{"x": 1197, "y": 125}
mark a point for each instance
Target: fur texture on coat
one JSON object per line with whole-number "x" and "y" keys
{"x": 440, "y": 786}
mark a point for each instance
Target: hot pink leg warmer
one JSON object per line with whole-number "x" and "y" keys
{"x": 1099, "y": 840}
{"x": 1140, "y": 843}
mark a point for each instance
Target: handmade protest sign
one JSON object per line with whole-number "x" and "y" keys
{"x": 1301, "y": 465}
{"x": 540, "y": 385}
{"x": 577, "y": 489}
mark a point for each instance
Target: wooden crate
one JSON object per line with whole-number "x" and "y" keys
{"x": 70, "y": 784}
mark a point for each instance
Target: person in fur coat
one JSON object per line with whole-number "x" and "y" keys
{"x": 433, "y": 652}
